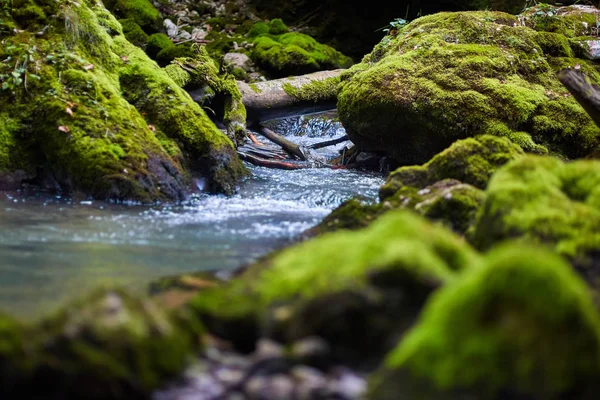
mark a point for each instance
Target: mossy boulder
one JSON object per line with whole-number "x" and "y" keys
{"x": 142, "y": 12}
{"x": 65, "y": 116}
{"x": 356, "y": 290}
{"x": 521, "y": 326}
{"x": 169, "y": 53}
{"x": 472, "y": 161}
{"x": 134, "y": 33}
{"x": 450, "y": 76}
{"x": 156, "y": 43}
{"x": 282, "y": 53}
{"x": 448, "y": 188}
{"x": 110, "y": 345}
{"x": 547, "y": 201}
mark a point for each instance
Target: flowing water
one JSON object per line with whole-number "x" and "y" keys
{"x": 53, "y": 248}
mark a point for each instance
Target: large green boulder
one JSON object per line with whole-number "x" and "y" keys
{"x": 545, "y": 200}
{"x": 449, "y": 76}
{"x": 521, "y": 326}
{"x": 88, "y": 111}
{"x": 356, "y": 290}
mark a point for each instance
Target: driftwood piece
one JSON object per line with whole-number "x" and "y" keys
{"x": 279, "y": 164}
{"x": 327, "y": 143}
{"x": 269, "y": 100}
{"x": 583, "y": 90}
{"x": 285, "y": 144}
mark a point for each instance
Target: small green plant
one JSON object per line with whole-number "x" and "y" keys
{"x": 23, "y": 58}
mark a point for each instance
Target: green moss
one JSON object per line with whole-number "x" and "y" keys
{"x": 32, "y": 14}
{"x": 141, "y": 12}
{"x": 449, "y": 76}
{"x": 157, "y": 43}
{"x": 8, "y": 128}
{"x": 378, "y": 279}
{"x": 523, "y": 325}
{"x": 168, "y": 54}
{"x": 134, "y": 33}
{"x": 259, "y": 28}
{"x": 277, "y": 27}
{"x": 170, "y": 109}
{"x": 202, "y": 71}
{"x": 74, "y": 121}
{"x": 317, "y": 90}
{"x": 471, "y": 161}
{"x": 255, "y": 88}
{"x": 548, "y": 201}
{"x": 124, "y": 346}
{"x": 295, "y": 54}
{"x": 216, "y": 23}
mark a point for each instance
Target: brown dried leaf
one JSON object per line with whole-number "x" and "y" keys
{"x": 69, "y": 111}
{"x": 64, "y": 129}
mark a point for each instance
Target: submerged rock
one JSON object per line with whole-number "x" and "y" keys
{"x": 356, "y": 290}
{"x": 545, "y": 200}
{"x": 92, "y": 111}
{"x": 449, "y": 76}
{"x": 521, "y": 326}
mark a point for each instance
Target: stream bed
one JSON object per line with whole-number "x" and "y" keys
{"x": 53, "y": 249}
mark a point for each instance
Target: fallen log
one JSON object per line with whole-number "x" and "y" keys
{"x": 327, "y": 143}
{"x": 287, "y": 97}
{"x": 262, "y": 162}
{"x": 290, "y": 147}
{"x": 583, "y": 90}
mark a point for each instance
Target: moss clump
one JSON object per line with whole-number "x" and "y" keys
{"x": 367, "y": 285}
{"x": 277, "y": 27}
{"x": 448, "y": 202}
{"x": 168, "y": 54}
{"x": 142, "y": 12}
{"x": 201, "y": 71}
{"x": 317, "y": 90}
{"x": 157, "y": 43}
{"x": 548, "y": 201}
{"x": 471, "y": 161}
{"x": 521, "y": 326}
{"x": 134, "y": 33}
{"x": 449, "y": 76}
{"x": 293, "y": 54}
{"x": 74, "y": 123}
{"x": 259, "y": 28}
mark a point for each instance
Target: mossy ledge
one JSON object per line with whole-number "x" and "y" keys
{"x": 90, "y": 112}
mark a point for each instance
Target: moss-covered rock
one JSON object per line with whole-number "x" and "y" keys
{"x": 134, "y": 33}
{"x": 471, "y": 161}
{"x": 521, "y": 326}
{"x": 64, "y": 114}
{"x": 169, "y": 53}
{"x": 548, "y": 201}
{"x": 200, "y": 74}
{"x": 357, "y": 290}
{"x": 110, "y": 345}
{"x": 447, "y": 189}
{"x": 157, "y": 43}
{"x": 142, "y": 12}
{"x": 283, "y": 53}
{"x": 449, "y": 76}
